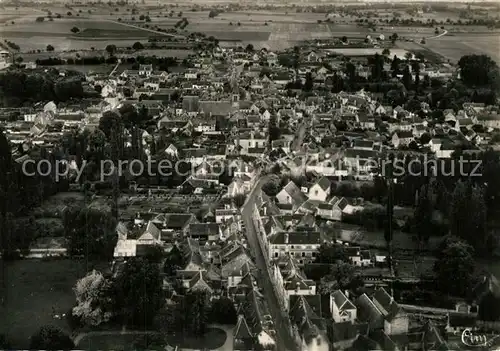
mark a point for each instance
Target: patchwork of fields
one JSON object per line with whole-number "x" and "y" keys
{"x": 274, "y": 31}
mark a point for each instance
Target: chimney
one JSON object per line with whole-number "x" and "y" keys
{"x": 286, "y": 238}
{"x": 346, "y": 293}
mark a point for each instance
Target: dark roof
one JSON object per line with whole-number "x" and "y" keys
{"x": 295, "y": 193}
{"x": 216, "y": 108}
{"x": 297, "y": 238}
{"x": 204, "y": 228}
{"x": 384, "y": 299}
{"x": 324, "y": 183}
{"x": 343, "y": 331}
{"x": 242, "y": 331}
{"x": 404, "y": 134}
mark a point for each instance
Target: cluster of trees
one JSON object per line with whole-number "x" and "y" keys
{"x": 12, "y": 45}
{"x": 93, "y": 60}
{"x": 334, "y": 270}
{"x": 183, "y": 23}
{"x": 18, "y": 88}
{"x": 91, "y": 232}
{"x": 19, "y": 194}
{"x": 195, "y": 312}
{"x": 135, "y": 297}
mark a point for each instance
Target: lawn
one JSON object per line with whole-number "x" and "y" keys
{"x": 213, "y": 339}
{"x": 35, "y": 291}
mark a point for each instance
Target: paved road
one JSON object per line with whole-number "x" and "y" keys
{"x": 284, "y": 340}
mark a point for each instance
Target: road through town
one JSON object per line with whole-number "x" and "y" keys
{"x": 284, "y": 340}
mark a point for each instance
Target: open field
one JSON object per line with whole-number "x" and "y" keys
{"x": 275, "y": 30}
{"x": 35, "y": 291}
{"x": 453, "y": 47}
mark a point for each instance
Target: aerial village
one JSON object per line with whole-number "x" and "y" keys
{"x": 286, "y": 210}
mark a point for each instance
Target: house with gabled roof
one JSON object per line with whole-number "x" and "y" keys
{"x": 309, "y": 325}
{"x": 320, "y": 190}
{"x": 291, "y": 194}
{"x": 260, "y": 320}
{"x": 342, "y": 308}
{"x": 150, "y": 236}
{"x": 200, "y": 283}
{"x": 243, "y": 339}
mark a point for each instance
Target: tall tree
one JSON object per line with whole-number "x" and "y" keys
{"x": 455, "y": 268}
{"x": 94, "y": 299}
{"x": 197, "y": 312}
{"x": 468, "y": 215}
{"x": 222, "y": 311}
{"x": 423, "y": 214}
{"x": 138, "y": 291}
{"x": 91, "y": 232}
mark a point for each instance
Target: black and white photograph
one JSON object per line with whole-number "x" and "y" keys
{"x": 250, "y": 175}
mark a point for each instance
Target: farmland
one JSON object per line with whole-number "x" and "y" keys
{"x": 276, "y": 30}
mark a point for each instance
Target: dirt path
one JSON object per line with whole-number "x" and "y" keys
{"x": 438, "y": 36}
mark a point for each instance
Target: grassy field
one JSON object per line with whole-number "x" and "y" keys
{"x": 35, "y": 291}
{"x": 455, "y": 46}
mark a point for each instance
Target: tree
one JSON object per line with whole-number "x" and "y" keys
{"x": 50, "y": 48}
{"x": 147, "y": 19}
{"x": 40, "y": 19}
{"x": 479, "y": 70}
{"x": 239, "y": 24}
{"x": 408, "y": 55}
{"x": 222, "y": 311}
{"x": 142, "y": 17}
{"x": 468, "y": 215}
{"x": 342, "y": 276}
{"x": 91, "y": 232}
{"x": 108, "y": 122}
{"x": 272, "y": 186}
{"x": 394, "y": 36}
{"x": 454, "y": 269}
{"x": 331, "y": 253}
{"x": 173, "y": 262}
{"x": 94, "y": 299}
{"x": 69, "y": 13}
{"x": 51, "y": 338}
{"x": 274, "y": 130}
{"x": 212, "y": 14}
{"x": 111, "y": 49}
{"x": 196, "y": 305}
{"x": 407, "y": 78}
{"x": 75, "y": 30}
{"x": 138, "y": 291}
{"x": 423, "y": 214}
{"x": 344, "y": 39}
{"x": 386, "y": 52}
{"x": 137, "y": 46}
{"x": 249, "y": 48}
{"x": 308, "y": 85}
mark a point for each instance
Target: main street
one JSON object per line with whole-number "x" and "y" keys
{"x": 284, "y": 340}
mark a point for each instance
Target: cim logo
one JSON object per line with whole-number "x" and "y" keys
{"x": 470, "y": 339}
